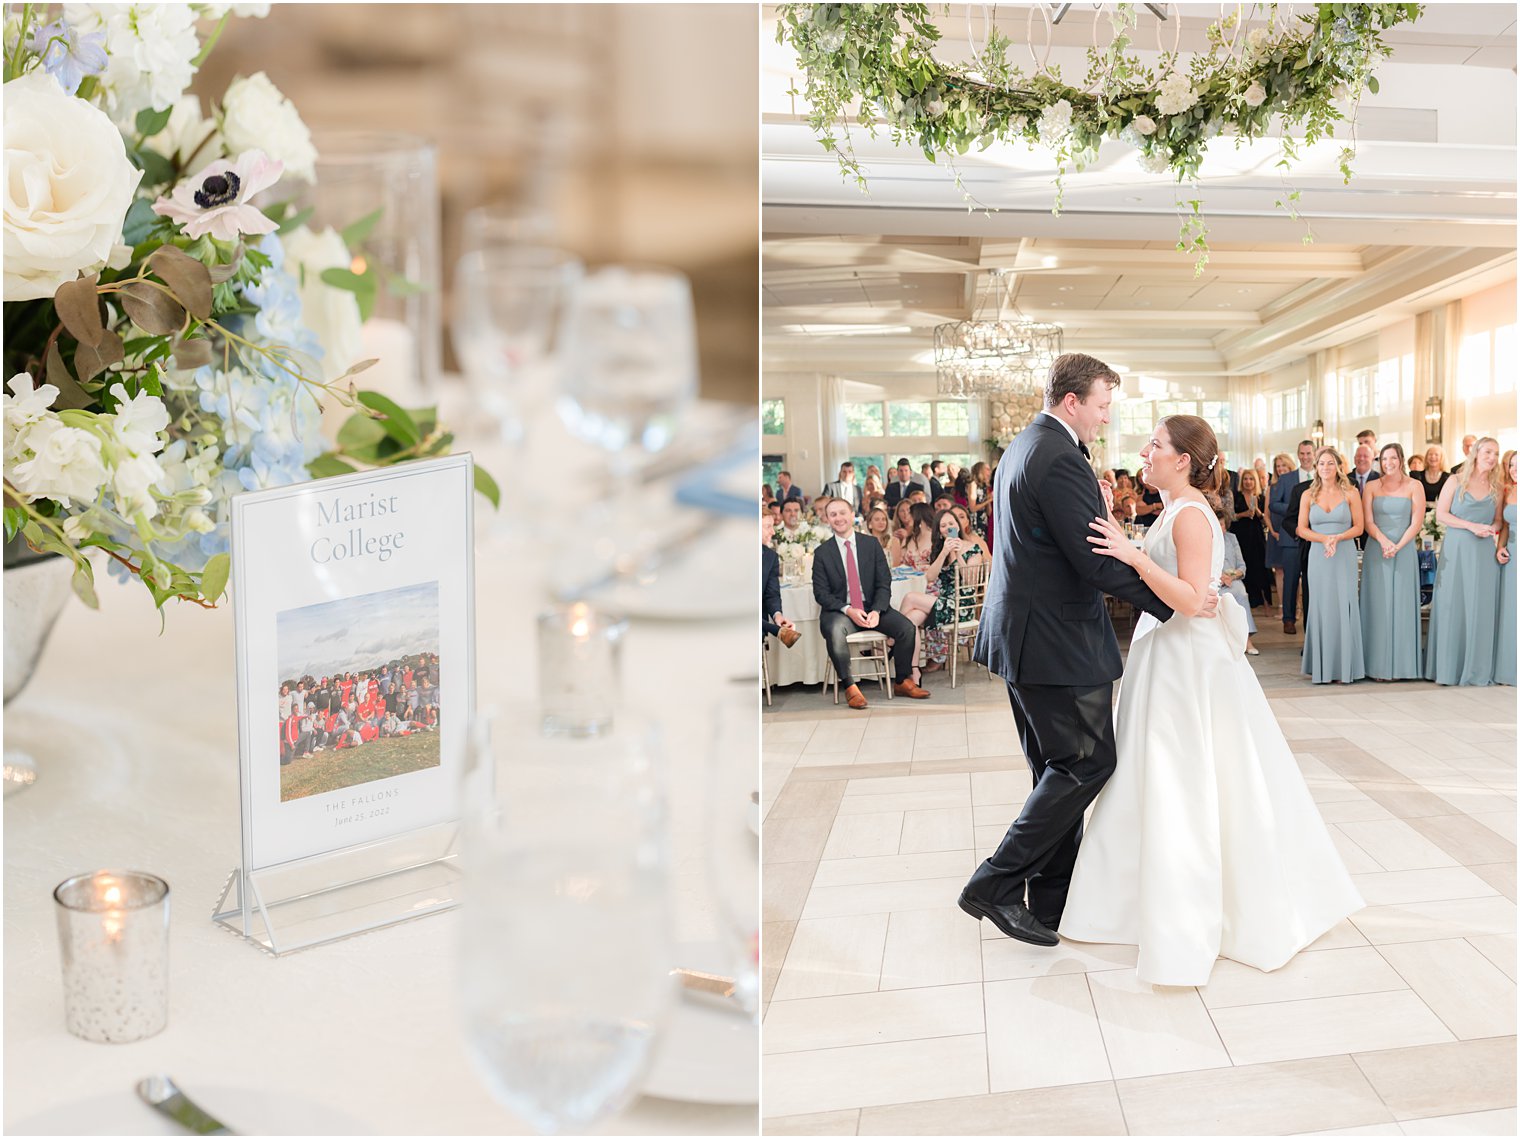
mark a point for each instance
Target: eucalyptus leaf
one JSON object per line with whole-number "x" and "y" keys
{"x": 354, "y": 233}
{"x": 192, "y": 354}
{"x": 396, "y": 420}
{"x": 328, "y": 465}
{"x": 92, "y": 359}
{"x": 189, "y": 278}
{"x": 486, "y": 485}
{"x": 70, "y": 394}
{"x": 78, "y": 308}
{"x": 359, "y": 430}
{"x": 151, "y": 309}
{"x": 139, "y": 222}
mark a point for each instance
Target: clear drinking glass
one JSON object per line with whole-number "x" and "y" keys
{"x": 629, "y": 361}
{"x": 391, "y": 178}
{"x": 565, "y": 927}
{"x": 508, "y": 300}
{"x": 733, "y": 836}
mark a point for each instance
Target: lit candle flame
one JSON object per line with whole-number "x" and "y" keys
{"x": 580, "y": 620}
{"x": 114, "y": 920}
{"x": 358, "y": 265}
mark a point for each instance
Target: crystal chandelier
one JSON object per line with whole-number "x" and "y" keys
{"x": 995, "y": 355}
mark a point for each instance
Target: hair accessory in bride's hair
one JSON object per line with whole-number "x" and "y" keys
{"x": 1212, "y": 461}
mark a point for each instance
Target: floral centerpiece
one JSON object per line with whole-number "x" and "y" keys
{"x": 1432, "y": 530}
{"x": 172, "y": 326}
{"x": 1296, "y": 71}
{"x": 804, "y": 540}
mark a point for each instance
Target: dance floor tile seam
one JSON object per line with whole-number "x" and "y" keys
{"x": 1435, "y": 947}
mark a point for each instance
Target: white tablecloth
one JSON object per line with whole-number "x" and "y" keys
{"x": 806, "y": 661}
{"x": 140, "y": 771}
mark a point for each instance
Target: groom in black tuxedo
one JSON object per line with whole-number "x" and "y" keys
{"x": 1045, "y": 632}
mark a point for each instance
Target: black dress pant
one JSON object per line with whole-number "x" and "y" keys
{"x": 1068, "y": 740}
{"x": 835, "y": 627}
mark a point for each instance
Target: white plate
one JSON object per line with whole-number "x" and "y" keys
{"x": 706, "y": 1054}
{"x": 248, "y": 1111}
{"x": 707, "y": 583}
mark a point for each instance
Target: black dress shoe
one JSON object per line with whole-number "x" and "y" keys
{"x": 1014, "y": 920}
{"x": 1054, "y": 925}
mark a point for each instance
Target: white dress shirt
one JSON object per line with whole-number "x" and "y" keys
{"x": 1070, "y": 430}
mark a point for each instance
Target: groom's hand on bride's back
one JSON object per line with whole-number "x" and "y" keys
{"x": 1208, "y": 605}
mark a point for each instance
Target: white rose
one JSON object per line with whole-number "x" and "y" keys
{"x": 1255, "y": 95}
{"x": 1175, "y": 94}
{"x": 65, "y": 464}
{"x": 1143, "y": 125}
{"x": 1055, "y": 121}
{"x": 68, "y": 185}
{"x": 333, "y": 314}
{"x": 255, "y": 116}
{"x": 152, "y": 49}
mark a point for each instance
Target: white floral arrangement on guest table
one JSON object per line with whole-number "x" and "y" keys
{"x": 793, "y": 547}
{"x": 1432, "y": 529}
{"x": 172, "y": 325}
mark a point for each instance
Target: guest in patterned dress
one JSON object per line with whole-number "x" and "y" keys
{"x": 1393, "y": 506}
{"x": 936, "y": 609}
{"x": 1329, "y": 518}
{"x": 1464, "y": 608}
{"x": 1504, "y": 650}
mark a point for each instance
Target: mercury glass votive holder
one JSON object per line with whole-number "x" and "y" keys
{"x": 113, "y": 935}
{"x": 578, "y": 669}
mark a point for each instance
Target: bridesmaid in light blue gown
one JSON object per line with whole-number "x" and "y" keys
{"x": 1464, "y": 609}
{"x": 1329, "y": 517}
{"x": 1394, "y": 506}
{"x": 1504, "y": 650}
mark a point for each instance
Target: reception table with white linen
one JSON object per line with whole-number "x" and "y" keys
{"x": 806, "y": 661}
{"x": 138, "y": 746}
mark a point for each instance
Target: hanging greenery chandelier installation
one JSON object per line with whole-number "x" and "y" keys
{"x": 1294, "y": 71}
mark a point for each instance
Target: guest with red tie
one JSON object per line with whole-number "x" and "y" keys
{"x": 853, "y": 587}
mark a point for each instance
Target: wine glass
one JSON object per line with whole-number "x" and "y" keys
{"x": 507, "y": 303}
{"x": 733, "y": 836}
{"x": 565, "y": 929}
{"x": 629, "y": 361}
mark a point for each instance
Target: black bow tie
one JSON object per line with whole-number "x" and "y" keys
{"x": 1086, "y": 454}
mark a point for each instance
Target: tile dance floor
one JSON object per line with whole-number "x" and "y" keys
{"x": 891, "y": 1012}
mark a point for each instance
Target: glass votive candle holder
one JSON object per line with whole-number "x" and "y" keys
{"x": 578, "y": 669}
{"x": 113, "y": 934}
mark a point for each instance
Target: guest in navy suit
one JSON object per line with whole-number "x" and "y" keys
{"x": 786, "y": 489}
{"x": 1282, "y": 505}
{"x": 772, "y": 620}
{"x": 853, "y": 587}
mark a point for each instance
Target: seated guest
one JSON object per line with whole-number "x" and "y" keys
{"x": 791, "y": 517}
{"x": 879, "y": 526}
{"x": 772, "y": 621}
{"x": 775, "y": 512}
{"x": 1124, "y": 496}
{"x": 1416, "y": 464}
{"x": 968, "y": 533}
{"x": 914, "y": 551}
{"x": 874, "y": 488}
{"x": 931, "y": 611}
{"x": 1464, "y": 607}
{"x": 942, "y": 503}
{"x": 902, "y": 522}
{"x": 853, "y": 587}
{"x": 819, "y": 505}
{"x": 766, "y": 497}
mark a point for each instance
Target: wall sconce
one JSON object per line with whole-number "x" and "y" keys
{"x": 1318, "y": 433}
{"x": 1433, "y": 421}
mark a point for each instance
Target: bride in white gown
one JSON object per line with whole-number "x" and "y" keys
{"x": 1206, "y": 841}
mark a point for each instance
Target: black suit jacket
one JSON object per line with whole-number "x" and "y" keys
{"x": 1370, "y": 476}
{"x": 793, "y": 491}
{"x": 831, "y": 588}
{"x": 1044, "y": 621}
{"x": 936, "y": 488}
{"x": 770, "y": 583}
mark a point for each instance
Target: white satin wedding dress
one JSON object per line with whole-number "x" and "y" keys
{"x": 1206, "y": 841}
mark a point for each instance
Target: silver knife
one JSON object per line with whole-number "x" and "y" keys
{"x": 162, "y": 1094}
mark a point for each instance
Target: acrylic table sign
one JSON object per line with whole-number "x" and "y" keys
{"x": 354, "y": 605}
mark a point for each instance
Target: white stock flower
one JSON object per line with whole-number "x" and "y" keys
{"x": 1143, "y": 125}
{"x": 1055, "y": 121}
{"x": 256, "y": 116}
{"x": 1175, "y": 94}
{"x": 25, "y": 404}
{"x": 152, "y": 49}
{"x": 65, "y": 463}
{"x": 333, "y": 314}
{"x": 138, "y": 421}
{"x": 1155, "y": 162}
{"x": 68, "y": 185}
{"x": 132, "y": 482}
{"x": 1255, "y": 95}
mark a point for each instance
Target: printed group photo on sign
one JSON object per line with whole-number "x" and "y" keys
{"x": 358, "y": 690}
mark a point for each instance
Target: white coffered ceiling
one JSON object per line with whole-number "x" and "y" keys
{"x": 854, "y": 284}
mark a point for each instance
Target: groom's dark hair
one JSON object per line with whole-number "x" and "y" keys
{"x": 1074, "y": 374}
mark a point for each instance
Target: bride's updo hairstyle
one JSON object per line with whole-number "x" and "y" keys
{"x": 1194, "y": 438}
